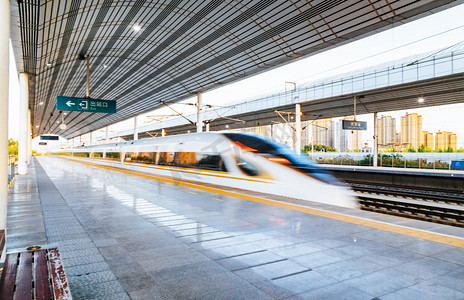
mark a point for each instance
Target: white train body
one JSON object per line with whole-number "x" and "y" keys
{"x": 236, "y": 160}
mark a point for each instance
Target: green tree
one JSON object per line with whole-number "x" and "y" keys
{"x": 12, "y": 147}
{"x": 319, "y": 148}
{"x": 449, "y": 149}
{"x": 410, "y": 150}
{"x": 423, "y": 148}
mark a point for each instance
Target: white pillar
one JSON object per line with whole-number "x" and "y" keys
{"x": 106, "y": 135}
{"x": 199, "y": 119}
{"x": 4, "y": 76}
{"x": 91, "y": 139}
{"x": 80, "y": 140}
{"x": 298, "y": 129}
{"x": 163, "y": 132}
{"x": 375, "y": 140}
{"x": 207, "y": 127}
{"x": 23, "y": 107}
{"x": 29, "y": 137}
{"x": 136, "y": 134}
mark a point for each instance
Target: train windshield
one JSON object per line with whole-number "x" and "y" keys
{"x": 282, "y": 154}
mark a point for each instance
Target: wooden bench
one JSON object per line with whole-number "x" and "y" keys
{"x": 36, "y": 274}
{"x": 2, "y": 241}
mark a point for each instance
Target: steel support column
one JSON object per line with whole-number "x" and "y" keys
{"x": 375, "y": 140}
{"x": 199, "y": 107}
{"x": 23, "y": 108}
{"x": 136, "y": 134}
{"x": 29, "y": 137}
{"x": 4, "y": 76}
{"x": 298, "y": 128}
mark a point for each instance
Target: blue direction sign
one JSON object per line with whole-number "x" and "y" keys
{"x": 457, "y": 164}
{"x": 354, "y": 125}
{"x": 85, "y": 104}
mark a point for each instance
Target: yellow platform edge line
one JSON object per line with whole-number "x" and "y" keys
{"x": 430, "y": 236}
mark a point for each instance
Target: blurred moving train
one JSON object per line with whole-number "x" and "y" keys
{"x": 237, "y": 160}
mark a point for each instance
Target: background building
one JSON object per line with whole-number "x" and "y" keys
{"x": 428, "y": 139}
{"x": 411, "y": 131}
{"x": 445, "y": 139}
{"x": 322, "y": 132}
{"x": 386, "y": 130}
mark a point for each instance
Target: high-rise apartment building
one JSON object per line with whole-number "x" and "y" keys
{"x": 386, "y": 130}
{"x": 339, "y": 136}
{"x": 428, "y": 139}
{"x": 322, "y": 132}
{"x": 445, "y": 139}
{"x": 411, "y": 131}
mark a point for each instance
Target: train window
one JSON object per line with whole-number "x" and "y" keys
{"x": 251, "y": 143}
{"x": 210, "y": 162}
{"x": 166, "y": 158}
{"x": 113, "y": 155}
{"x": 98, "y": 154}
{"x": 179, "y": 159}
{"x": 247, "y": 167}
{"x": 81, "y": 154}
{"x": 141, "y": 157}
{"x": 185, "y": 159}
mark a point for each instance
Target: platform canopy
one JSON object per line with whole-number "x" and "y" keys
{"x": 146, "y": 53}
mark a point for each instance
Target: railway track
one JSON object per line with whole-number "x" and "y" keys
{"x": 433, "y": 206}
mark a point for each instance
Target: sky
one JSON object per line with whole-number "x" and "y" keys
{"x": 434, "y": 31}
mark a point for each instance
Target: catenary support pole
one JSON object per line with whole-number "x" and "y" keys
{"x": 298, "y": 128}
{"x": 106, "y": 135}
{"x": 375, "y": 140}
{"x": 4, "y": 68}
{"x": 91, "y": 139}
{"x": 87, "y": 90}
{"x": 29, "y": 137}
{"x": 136, "y": 134}
{"x": 199, "y": 107}
{"x": 23, "y": 108}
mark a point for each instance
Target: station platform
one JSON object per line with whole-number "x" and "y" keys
{"x": 123, "y": 236}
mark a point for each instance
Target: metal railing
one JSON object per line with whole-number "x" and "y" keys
{"x": 434, "y": 161}
{"x": 11, "y": 169}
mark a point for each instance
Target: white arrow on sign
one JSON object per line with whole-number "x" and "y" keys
{"x": 69, "y": 103}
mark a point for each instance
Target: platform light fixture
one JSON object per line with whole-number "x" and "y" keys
{"x": 421, "y": 100}
{"x": 49, "y": 64}
{"x": 62, "y": 125}
{"x": 41, "y": 103}
{"x": 136, "y": 28}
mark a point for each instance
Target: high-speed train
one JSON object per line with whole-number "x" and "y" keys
{"x": 237, "y": 160}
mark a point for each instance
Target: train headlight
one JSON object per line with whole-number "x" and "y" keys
{"x": 279, "y": 160}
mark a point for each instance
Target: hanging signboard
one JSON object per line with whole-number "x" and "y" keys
{"x": 354, "y": 125}
{"x": 49, "y": 137}
{"x": 85, "y": 104}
